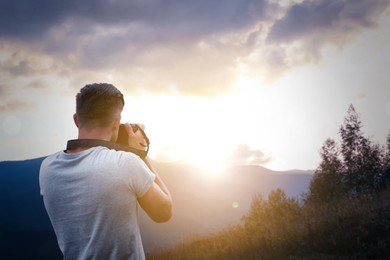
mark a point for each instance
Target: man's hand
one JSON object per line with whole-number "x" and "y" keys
{"x": 136, "y": 139}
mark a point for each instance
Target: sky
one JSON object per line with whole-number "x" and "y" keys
{"x": 216, "y": 83}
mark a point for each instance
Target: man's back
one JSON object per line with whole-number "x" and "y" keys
{"x": 91, "y": 199}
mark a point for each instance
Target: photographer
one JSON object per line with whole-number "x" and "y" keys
{"x": 91, "y": 192}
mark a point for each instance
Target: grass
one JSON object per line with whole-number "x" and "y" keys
{"x": 281, "y": 228}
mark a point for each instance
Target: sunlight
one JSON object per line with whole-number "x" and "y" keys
{"x": 206, "y": 131}
{"x": 212, "y": 161}
{"x": 201, "y": 131}
{"x": 283, "y": 118}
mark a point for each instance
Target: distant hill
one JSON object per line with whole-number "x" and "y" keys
{"x": 203, "y": 204}
{"x": 25, "y": 229}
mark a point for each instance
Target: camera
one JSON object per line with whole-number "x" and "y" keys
{"x": 122, "y": 134}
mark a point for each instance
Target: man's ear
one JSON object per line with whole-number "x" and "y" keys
{"x": 116, "y": 123}
{"x": 76, "y": 120}
{"x": 115, "y": 129}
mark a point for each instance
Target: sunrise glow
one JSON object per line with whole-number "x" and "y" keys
{"x": 254, "y": 83}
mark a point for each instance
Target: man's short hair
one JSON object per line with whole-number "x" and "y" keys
{"x": 97, "y": 104}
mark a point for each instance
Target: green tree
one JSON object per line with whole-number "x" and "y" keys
{"x": 269, "y": 223}
{"x": 326, "y": 184}
{"x": 361, "y": 158}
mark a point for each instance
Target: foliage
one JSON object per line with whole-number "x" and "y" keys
{"x": 281, "y": 228}
{"x": 269, "y": 223}
{"x": 359, "y": 167}
{"x": 384, "y": 179}
{"x": 362, "y": 159}
{"x": 327, "y": 184}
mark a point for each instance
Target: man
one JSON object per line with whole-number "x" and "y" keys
{"x": 91, "y": 193}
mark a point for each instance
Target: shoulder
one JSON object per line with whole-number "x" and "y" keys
{"x": 120, "y": 156}
{"x": 118, "y": 160}
{"x": 50, "y": 158}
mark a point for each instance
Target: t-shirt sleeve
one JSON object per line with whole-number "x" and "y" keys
{"x": 43, "y": 173}
{"x": 42, "y": 170}
{"x": 138, "y": 175}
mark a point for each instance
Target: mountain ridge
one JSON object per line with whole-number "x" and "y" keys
{"x": 203, "y": 204}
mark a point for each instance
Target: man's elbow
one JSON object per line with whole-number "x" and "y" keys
{"x": 163, "y": 215}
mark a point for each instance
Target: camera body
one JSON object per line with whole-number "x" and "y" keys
{"x": 122, "y": 134}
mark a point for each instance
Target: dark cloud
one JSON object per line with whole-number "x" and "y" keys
{"x": 195, "y": 45}
{"x": 25, "y": 18}
{"x": 102, "y": 34}
{"x": 299, "y": 36}
{"x": 326, "y": 18}
{"x": 31, "y": 18}
{"x": 243, "y": 154}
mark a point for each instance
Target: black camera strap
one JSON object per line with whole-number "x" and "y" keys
{"x": 77, "y": 143}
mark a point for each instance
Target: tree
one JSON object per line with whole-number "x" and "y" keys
{"x": 351, "y": 138}
{"x": 384, "y": 180}
{"x": 269, "y": 223}
{"x": 327, "y": 184}
{"x": 361, "y": 159}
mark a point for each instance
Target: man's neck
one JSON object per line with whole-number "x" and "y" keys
{"x": 96, "y": 133}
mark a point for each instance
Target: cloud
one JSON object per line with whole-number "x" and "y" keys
{"x": 17, "y": 59}
{"x": 244, "y": 155}
{"x": 155, "y": 39}
{"x": 14, "y": 105}
{"x": 297, "y": 34}
{"x": 326, "y": 19}
{"x": 150, "y": 45}
{"x": 312, "y": 24}
{"x": 27, "y": 74}
{"x": 32, "y": 18}
{"x": 115, "y": 31}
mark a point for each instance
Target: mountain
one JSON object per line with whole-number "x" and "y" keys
{"x": 25, "y": 229}
{"x": 203, "y": 203}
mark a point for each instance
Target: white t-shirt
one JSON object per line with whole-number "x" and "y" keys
{"x": 91, "y": 199}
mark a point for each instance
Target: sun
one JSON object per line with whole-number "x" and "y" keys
{"x": 204, "y": 131}
{"x": 211, "y": 162}
{"x": 197, "y": 130}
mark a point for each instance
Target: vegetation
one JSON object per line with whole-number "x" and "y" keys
{"x": 345, "y": 215}
{"x": 353, "y": 169}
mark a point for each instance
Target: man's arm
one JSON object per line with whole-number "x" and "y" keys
{"x": 157, "y": 201}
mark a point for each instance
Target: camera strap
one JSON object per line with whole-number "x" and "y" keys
{"x": 77, "y": 143}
